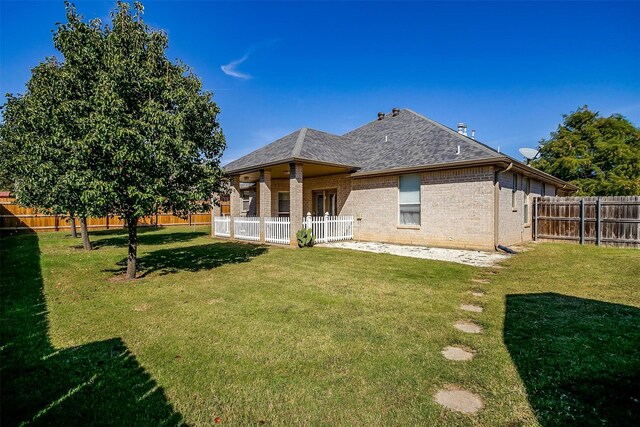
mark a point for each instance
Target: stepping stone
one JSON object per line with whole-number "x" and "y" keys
{"x": 484, "y": 281}
{"x": 459, "y": 400}
{"x": 477, "y": 293}
{"x": 468, "y": 327}
{"x": 473, "y": 308}
{"x": 457, "y": 354}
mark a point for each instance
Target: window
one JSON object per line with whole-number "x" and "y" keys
{"x": 283, "y": 204}
{"x": 514, "y": 189}
{"x": 544, "y": 189}
{"x": 246, "y": 201}
{"x": 409, "y": 199}
{"x": 526, "y": 183}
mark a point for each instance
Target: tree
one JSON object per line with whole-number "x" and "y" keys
{"x": 155, "y": 139}
{"x": 600, "y": 155}
{"x": 42, "y": 131}
{"x": 116, "y": 128}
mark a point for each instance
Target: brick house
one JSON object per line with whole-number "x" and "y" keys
{"x": 403, "y": 177}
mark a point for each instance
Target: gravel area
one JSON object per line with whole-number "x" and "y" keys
{"x": 475, "y": 258}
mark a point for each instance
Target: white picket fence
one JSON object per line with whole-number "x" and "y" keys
{"x": 222, "y": 226}
{"x": 277, "y": 230}
{"x": 246, "y": 228}
{"x": 330, "y": 228}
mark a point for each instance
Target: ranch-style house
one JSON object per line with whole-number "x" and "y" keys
{"x": 401, "y": 178}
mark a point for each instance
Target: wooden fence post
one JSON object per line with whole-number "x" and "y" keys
{"x": 598, "y": 222}
{"x": 582, "y": 221}
{"x": 535, "y": 219}
{"x": 56, "y": 222}
{"x": 107, "y": 221}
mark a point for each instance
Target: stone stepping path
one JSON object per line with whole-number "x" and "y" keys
{"x": 472, "y": 308}
{"x": 483, "y": 281}
{"x": 477, "y": 293}
{"x": 457, "y": 354}
{"x": 459, "y": 400}
{"x": 468, "y": 327}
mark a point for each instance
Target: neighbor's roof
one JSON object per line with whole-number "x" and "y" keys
{"x": 407, "y": 140}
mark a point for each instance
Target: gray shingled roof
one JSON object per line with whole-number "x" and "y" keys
{"x": 406, "y": 140}
{"x": 308, "y": 144}
{"x": 410, "y": 139}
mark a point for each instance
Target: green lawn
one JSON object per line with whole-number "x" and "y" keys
{"x": 273, "y": 336}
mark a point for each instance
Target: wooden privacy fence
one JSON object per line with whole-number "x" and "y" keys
{"x": 611, "y": 221}
{"x": 14, "y": 218}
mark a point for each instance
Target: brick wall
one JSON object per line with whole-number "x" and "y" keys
{"x": 456, "y": 209}
{"x": 513, "y": 228}
{"x": 341, "y": 183}
{"x": 277, "y": 185}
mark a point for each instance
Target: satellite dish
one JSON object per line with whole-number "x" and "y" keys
{"x": 529, "y": 153}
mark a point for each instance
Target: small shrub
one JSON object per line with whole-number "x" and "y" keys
{"x": 305, "y": 238}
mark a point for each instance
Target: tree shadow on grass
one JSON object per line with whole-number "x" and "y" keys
{"x": 193, "y": 258}
{"x": 149, "y": 239}
{"x": 579, "y": 359}
{"x": 100, "y": 383}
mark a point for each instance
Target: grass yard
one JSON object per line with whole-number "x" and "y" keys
{"x": 272, "y": 336}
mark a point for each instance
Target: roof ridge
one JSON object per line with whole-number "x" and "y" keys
{"x": 298, "y": 147}
{"x": 453, "y": 132}
{"x": 327, "y": 133}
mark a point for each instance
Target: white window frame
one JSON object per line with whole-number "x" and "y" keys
{"x": 419, "y": 224}
{"x": 246, "y": 198}
{"x": 282, "y": 213}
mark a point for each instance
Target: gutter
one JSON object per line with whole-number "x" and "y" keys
{"x": 496, "y": 204}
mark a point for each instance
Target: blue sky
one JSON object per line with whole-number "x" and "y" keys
{"x": 507, "y": 69}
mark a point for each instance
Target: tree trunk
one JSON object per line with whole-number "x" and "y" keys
{"x": 86, "y": 244}
{"x": 132, "y": 225}
{"x": 74, "y": 233}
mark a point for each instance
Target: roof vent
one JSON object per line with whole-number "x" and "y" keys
{"x": 473, "y": 134}
{"x": 380, "y": 115}
{"x": 462, "y": 129}
{"x": 395, "y": 112}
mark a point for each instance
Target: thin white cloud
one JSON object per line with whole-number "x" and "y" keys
{"x": 230, "y": 68}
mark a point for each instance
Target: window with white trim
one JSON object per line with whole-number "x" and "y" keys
{"x": 283, "y": 203}
{"x": 246, "y": 201}
{"x": 409, "y": 199}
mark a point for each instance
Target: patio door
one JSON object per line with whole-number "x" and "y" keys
{"x": 319, "y": 203}
{"x": 325, "y": 201}
{"x": 332, "y": 202}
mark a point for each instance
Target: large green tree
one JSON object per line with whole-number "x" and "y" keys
{"x": 600, "y": 155}
{"x": 40, "y": 149}
{"x": 146, "y": 137}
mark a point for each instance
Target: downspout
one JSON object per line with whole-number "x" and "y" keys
{"x": 496, "y": 204}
